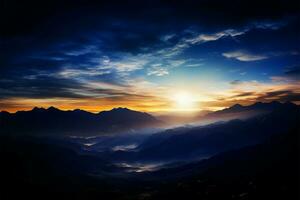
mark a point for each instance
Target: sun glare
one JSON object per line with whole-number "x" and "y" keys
{"x": 184, "y": 101}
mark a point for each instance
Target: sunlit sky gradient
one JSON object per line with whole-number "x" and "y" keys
{"x": 148, "y": 55}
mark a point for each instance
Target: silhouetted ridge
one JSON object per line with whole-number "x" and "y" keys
{"x": 36, "y": 109}
{"x": 236, "y": 106}
{"x": 125, "y": 116}
{"x": 78, "y": 122}
{"x": 51, "y": 108}
{"x": 258, "y": 107}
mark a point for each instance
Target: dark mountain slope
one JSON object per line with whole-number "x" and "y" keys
{"x": 124, "y": 117}
{"x": 209, "y": 140}
{"x": 265, "y": 171}
{"x": 259, "y": 106}
{"x": 35, "y": 168}
{"x": 53, "y": 121}
{"x": 238, "y": 111}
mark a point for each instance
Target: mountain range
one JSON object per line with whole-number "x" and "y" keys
{"x": 250, "y": 158}
{"x": 198, "y": 142}
{"x": 258, "y": 107}
{"x": 76, "y": 122}
{"x": 52, "y": 121}
{"x": 238, "y": 111}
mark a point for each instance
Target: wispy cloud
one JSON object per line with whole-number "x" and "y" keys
{"x": 196, "y": 38}
{"x": 166, "y": 38}
{"x": 235, "y": 82}
{"x": 244, "y": 56}
{"x": 157, "y": 71}
{"x": 200, "y": 38}
{"x": 214, "y": 36}
{"x": 73, "y": 73}
{"x": 291, "y": 74}
{"x": 267, "y": 24}
{"x": 248, "y": 92}
{"x": 125, "y": 63}
{"x": 194, "y": 65}
{"x": 95, "y": 63}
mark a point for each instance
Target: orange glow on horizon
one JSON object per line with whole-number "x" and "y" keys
{"x": 164, "y": 100}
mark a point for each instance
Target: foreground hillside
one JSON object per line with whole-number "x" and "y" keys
{"x": 268, "y": 170}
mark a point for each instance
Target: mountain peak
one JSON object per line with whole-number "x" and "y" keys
{"x": 122, "y": 115}
{"x": 52, "y": 108}
{"x": 56, "y": 121}
{"x": 36, "y": 109}
{"x": 120, "y": 109}
{"x": 237, "y": 106}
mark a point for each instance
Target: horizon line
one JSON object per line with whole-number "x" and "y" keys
{"x": 120, "y": 107}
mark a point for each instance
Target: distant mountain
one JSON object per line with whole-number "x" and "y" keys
{"x": 205, "y": 141}
{"x": 76, "y": 122}
{"x": 127, "y": 117}
{"x": 259, "y": 107}
{"x": 238, "y": 111}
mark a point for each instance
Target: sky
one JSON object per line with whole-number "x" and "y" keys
{"x": 154, "y": 56}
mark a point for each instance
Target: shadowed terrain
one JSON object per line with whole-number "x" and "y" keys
{"x": 238, "y": 159}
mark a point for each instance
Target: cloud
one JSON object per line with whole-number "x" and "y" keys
{"x": 215, "y": 36}
{"x": 176, "y": 63}
{"x": 244, "y": 94}
{"x": 73, "y": 73}
{"x": 244, "y": 56}
{"x": 293, "y": 72}
{"x": 41, "y": 87}
{"x": 235, "y": 82}
{"x": 168, "y": 37}
{"x": 197, "y": 38}
{"x": 84, "y": 56}
{"x": 157, "y": 71}
{"x": 280, "y": 79}
{"x": 248, "y": 92}
{"x": 247, "y": 98}
{"x": 281, "y": 95}
{"x": 93, "y": 97}
{"x": 194, "y": 39}
{"x": 268, "y": 24}
{"x": 99, "y": 65}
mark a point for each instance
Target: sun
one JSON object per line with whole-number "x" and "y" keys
{"x": 184, "y": 101}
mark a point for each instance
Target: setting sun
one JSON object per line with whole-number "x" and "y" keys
{"x": 184, "y": 101}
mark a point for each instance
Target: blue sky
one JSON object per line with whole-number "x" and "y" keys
{"x": 135, "y": 54}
